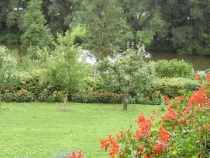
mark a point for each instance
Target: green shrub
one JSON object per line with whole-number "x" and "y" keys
{"x": 171, "y": 87}
{"x": 23, "y": 96}
{"x": 96, "y": 97}
{"x": 174, "y": 68}
{"x": 43, "y": 96}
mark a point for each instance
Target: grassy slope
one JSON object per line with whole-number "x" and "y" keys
{"x": 40, "y": 130}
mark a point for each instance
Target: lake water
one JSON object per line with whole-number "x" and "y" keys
{"x": 198, "y": 62}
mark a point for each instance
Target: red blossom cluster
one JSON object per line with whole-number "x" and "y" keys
{"x": 112, "y": 144}
{"x": 144, "y": 126}
{"x": 76, "y": 154}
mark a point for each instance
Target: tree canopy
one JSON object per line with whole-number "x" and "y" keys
{"x": 176, "y": 25}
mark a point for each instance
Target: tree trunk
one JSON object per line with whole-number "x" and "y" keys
{"x": 0, "y": 100}
{"x": 65, "y": 100}
{"x": 66, "y": 97}
{"x": 125, "y": 100}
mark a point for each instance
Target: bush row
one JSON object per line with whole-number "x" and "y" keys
{"x": 160, "y": 87}
{"x": 31, "y": 86}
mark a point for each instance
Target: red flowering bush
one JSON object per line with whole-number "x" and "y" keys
{"x": 183, "y": 130}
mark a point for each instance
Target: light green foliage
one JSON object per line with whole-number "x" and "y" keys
{"x": 79, "y": 33}
{"x": 63, "y": 68}
{"x": 7, "y": 69}
{"x": 171, "y": 87}
{"x": 36, "y": 33}
{"x": 125, "y": 73}
{"x": 174, "y": 68}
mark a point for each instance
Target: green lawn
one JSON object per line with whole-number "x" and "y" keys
{"x": 40, "y": 130}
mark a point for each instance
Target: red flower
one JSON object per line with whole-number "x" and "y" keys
{"x": 120, "y": 134}
{"x": 112, "y": 144}
{"x": 167, "y": 100}
{"x": 140, "y": 119}
{"x": 159, "y": 148}
{"x": 179, "y": 99}
{"x": 104, "y": 144}
{"x": 164, "y": 135}
{"x": 197, "y": 77}
{"x": 208, "y": 77}
{"x": 183, "y": 121}
{"x": 199, "y": 96}
{"x": 75, "y": 154}
{"x": 144, "y": 126}
{"x": 171, "y": 114}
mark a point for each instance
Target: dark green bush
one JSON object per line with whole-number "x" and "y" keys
{"x": 174, "y": 68}
{"x": 8, "y": 37}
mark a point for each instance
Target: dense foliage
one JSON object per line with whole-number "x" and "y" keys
{"x": 174, "y": 68}
{"x": 181, "y": 26}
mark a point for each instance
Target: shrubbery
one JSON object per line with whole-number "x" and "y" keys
{"x": 174, "y": 68}
{"x": 172, "y": 87}
{"x": 96, "y": 97}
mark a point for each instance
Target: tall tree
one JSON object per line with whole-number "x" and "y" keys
{"x": 187, "y": 28}
{"x": 107, "y": 30}
{"x": 36, "y": 33}
{"x": 60, "y": 14}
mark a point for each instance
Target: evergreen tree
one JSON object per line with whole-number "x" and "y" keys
{"x": 35, "y": 31}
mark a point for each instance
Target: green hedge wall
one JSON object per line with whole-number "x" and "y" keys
{"x": 31, "y": 86}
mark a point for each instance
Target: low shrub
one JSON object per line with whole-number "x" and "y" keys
{"x": 174, "y": 68}
{"x": 21, "y": 95}
{"x": 171, "y": 87}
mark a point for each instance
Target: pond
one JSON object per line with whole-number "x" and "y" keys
{"x": 198, "y": 62}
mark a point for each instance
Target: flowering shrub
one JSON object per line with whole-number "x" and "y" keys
{"x": 183, "y": 130}
{"x": 21, "y": 95}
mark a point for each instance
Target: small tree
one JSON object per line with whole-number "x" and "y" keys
{"x": 63, "y": 67}
{"x": 126, "y": 73}
{"x": 7, "y": 69}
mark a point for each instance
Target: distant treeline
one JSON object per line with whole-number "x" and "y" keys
{"x": 105, "y": 26}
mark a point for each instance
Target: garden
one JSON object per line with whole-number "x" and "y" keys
{"x": 54, "y": 105}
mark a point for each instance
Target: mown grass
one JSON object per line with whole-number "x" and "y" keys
{"x": 41, "y": 130}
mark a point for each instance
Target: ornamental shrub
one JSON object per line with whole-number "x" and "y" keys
{"x": 174, "y": 68}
